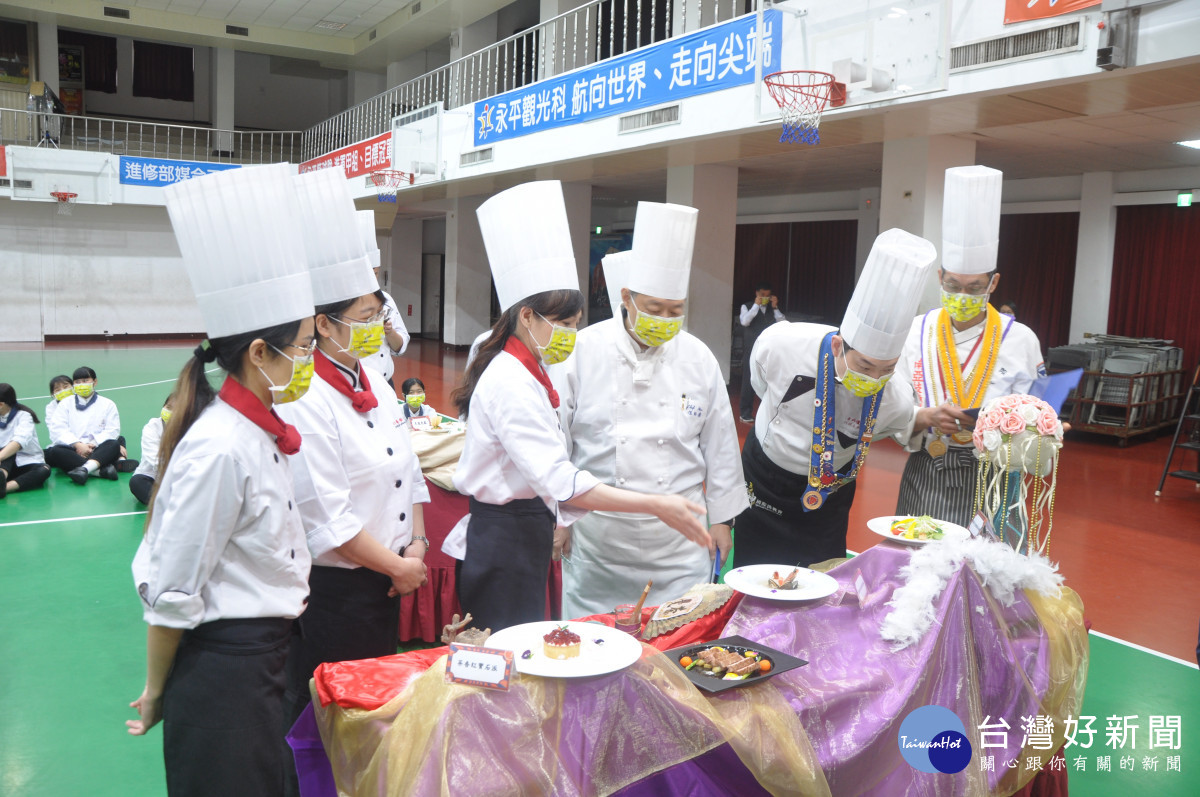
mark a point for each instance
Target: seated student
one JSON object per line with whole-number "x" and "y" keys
{"x": 413, "y": 392}
{"x": 60, "y": 388}
{"x": 22, "y": 466}
{"x": 85, "y": 432}
{"x": 141, "y": 484}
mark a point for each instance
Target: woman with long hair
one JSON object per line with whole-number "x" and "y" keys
{"x": 515, "y": 466}
{"x": 222, "y": 571}
{"x": 22, "y": 464}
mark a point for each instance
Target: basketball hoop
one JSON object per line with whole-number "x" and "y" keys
{"x": 65, "y": 200}
{"x": 386, "y": 181}
{"x": 802, "y": 96}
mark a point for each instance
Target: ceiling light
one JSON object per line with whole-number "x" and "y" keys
{"x": 329, "y": 25}
{"x": 1194, "y": 143}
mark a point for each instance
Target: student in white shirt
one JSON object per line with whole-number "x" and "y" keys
{"x": 515, "y": 467}
{"x": 61, "y": 388}
{"x": 413, "y": 394}
{"x": 141, "y": 483}
{"x": 85, "y": 432}
{"x": 22, "y": 466}
{"x": 358, "y": 483}
{"x": 222, "y": 571}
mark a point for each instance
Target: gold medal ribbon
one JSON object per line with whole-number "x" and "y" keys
{"x": 981, "y": 374}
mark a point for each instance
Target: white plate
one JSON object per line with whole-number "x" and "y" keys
{"x": 752, "y": 580}
{"x": 616, "y": 652}
{"x": 883, "y": 527}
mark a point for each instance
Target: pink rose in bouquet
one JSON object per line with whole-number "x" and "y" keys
{"x": 977, "y": 438}
{"x": 1009, "y": 403}
{"x": 990, "y": 419}
{"x": 1013, "y": 423}
{"x": 1047, "y": 422}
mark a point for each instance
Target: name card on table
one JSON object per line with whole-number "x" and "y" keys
{"x": 420, "y": 423}
{"x": 479, "y": 666}
{"x": 982, "y": 523}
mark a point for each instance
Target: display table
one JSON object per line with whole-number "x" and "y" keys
{"x": 393, "y": 726}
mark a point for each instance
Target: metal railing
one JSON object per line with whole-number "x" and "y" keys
{"x": 593, "y": 32}
{"x": 147, "y": 139}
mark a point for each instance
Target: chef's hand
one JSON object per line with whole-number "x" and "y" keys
{"x": 774, "y": 302}
{"x": 684, "y": 516}
{"x": 82, "y": 449}
{"x": 409, "y": 575}
{"x": 149, "y": 709}
{"x": 943, "y": 419}
{"x": 722, "y": 538}
{"x": 562, "y": 542}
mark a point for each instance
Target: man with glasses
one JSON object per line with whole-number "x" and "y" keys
{"x": 964, "y": 353}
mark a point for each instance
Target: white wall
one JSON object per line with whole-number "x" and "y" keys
{"x": 269, "y": 101}
{"x": 105, "y": 270}
{"x": 403, "y": 253}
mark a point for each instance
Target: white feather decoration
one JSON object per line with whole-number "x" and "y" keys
{"x": 1001, "y": 569}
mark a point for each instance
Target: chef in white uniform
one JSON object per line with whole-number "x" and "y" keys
{"x": 826, "y": 394}
{"x": 22, "y": 465}
{"x": 514, "y": 465}
{"x": 85, "y": 432}
{"x": 964, "y": 352}
{"x": 222, "y": 571}
{"x": 645, "y": 407}
{"x": 358, "y": 483}
{"x": 141, "y": 483}
{"x": 395, "y": 334}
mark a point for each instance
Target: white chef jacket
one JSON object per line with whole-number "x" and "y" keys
{"x": 789, "y": 352}
{"x": 356, "y": 471}
{"x": 1018, "y": 363}
{"x": 22, "y": 429}
{"x": 382, "y": 360}
{"x": 515, "y": 448}
{"x": 655, "y": 421}
{"x": 225, "y": 539}
{"x": 49, "y": 413}
{"x": 98, "y": 423}
{"x": 152, "y": 434}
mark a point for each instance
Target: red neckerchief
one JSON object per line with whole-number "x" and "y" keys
{"x": 363, "y": 400}
{"x": 518, "y": 349}
{"x": 238, "y": 396}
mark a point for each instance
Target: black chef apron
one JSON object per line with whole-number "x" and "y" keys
{"x": 223, "y": 709}
{"x": 775, "y": 529}
{"x": 502, "y": 581}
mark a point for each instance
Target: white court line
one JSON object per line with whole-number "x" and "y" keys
{"x": 128, "y": 387}
{"x": 68, "y": 519}
{"x": 1136, "y": 646}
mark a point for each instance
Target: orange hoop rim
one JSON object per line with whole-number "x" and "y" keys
{"x": 390, "y": 178}
{"x": 807, "y": 87}
{"x": 63, "y": 196}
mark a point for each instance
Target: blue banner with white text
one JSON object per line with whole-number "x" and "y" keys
{"x": 716, "y": 58}
{"x": 161, "y": 172}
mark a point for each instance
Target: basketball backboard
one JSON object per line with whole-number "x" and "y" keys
{"x": 39, "y": 171}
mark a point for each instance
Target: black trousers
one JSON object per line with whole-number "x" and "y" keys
{"x": 776, "y": 529}
{"x": 27, "y": 477}
{"x": 141, "y": 486}
{"x": 502, "y": 581}
{"x": 223, "y": 708}
{"x": 65, "y": 458}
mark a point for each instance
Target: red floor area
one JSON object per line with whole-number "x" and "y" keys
{"x": 1132, "y": 557}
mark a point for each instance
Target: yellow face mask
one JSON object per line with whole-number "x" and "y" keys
{"x": 366, "y": 337}
{"x": 66, "y": 392}
{"x": 297, "y": 385}
{"x": 85, "y": 390}
{"x": 655, "y": 330}
{"x": 165, "y": 415}
{"x": 560, "y": 346}
{"x": 963, "y": 306}
{"x": 862, "y": 385}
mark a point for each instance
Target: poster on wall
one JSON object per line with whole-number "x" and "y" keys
{"x": 1026, "y": 10}
{"x": 601, "y": 245}
{"x": 70, "y": 64}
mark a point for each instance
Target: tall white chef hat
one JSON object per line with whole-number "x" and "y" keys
{"x": 337, "y": 256}
{"x": 239, "y": 233}
{"x": 663, "y": 239}
{"x": 971, "y": 219}
{"x": 886, "y": 296}
{"x": 366, "y": 228}
{"x": 528, "y": 241}
{"x": 616, "y": 276}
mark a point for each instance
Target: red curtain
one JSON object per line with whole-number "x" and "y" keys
{"x": 1037, "y": 271}
{"x": 99, "y": 59}
{"x": 810, "y": 265}
{"x": 1156, "y": 276}
{"x": 163, "y": 71}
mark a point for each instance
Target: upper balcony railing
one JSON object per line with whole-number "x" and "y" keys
{"x": 147, "y": 139}
{"x": 592, "y": 32}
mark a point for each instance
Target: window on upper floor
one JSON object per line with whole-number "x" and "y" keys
{"x": 163, "y": 71}
{"x": 99, "y": 59}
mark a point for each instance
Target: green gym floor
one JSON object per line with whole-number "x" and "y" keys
{"x": 72, "y": 640}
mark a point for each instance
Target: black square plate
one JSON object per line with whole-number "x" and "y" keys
{"x": 780, "y": 662}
